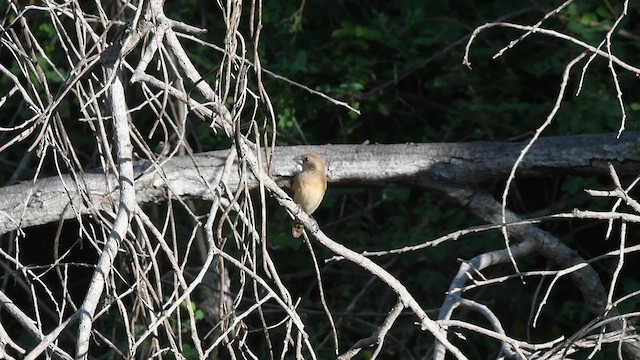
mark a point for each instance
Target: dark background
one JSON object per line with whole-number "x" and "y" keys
{"x": 400, "y": 64}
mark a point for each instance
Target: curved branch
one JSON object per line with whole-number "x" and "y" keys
{"x": 585, "y": 278}
{"x": 551, "y": 33}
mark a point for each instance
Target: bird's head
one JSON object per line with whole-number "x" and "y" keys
{"x": 309, "y": 162}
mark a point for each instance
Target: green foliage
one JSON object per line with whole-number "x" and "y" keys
{"x": 392, "y": 55}
{"x": 400, "y": 64}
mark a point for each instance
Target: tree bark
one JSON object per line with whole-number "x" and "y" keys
{"x": 49, "y": 199}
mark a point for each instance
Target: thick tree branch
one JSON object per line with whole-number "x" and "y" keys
{"x": 47, "y": 200}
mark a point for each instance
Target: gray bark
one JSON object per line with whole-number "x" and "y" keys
{"x": 50, "y": 199}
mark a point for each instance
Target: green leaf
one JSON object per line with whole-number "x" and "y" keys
{"x": 588, "y": 19}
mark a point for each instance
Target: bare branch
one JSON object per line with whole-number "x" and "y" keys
{"x": 126, "y": 206}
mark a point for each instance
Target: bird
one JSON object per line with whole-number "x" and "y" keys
{"x": 309, "y": 186}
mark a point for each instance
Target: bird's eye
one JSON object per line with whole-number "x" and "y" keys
{"x": 306, "y": 158}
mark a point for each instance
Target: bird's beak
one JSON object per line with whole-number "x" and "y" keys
{"x": 298, "y": 160}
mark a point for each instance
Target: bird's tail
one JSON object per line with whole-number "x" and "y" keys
{"x": 297, "y": 229}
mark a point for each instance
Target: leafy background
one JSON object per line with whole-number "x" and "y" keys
{"x": 400, "y": 64}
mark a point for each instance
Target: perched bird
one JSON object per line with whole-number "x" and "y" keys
{"x": 309, "y": 186}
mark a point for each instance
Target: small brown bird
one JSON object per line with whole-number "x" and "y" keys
{"x": 309, "y": 186}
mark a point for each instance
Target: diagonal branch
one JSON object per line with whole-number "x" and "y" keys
{"x": 126, "y": 206}
{"x": 404, "y": 296}
{"x": 532, "y": 238}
